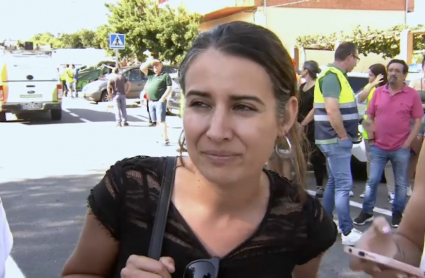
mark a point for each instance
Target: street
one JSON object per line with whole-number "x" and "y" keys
{"x": 48, "y": 168}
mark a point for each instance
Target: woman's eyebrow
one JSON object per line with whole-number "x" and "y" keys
{"x": 232, "y": 97}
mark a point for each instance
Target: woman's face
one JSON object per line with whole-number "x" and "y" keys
{"x": 230, "y": 118}
{"x": 304, "y": 73}
{"x": 372, "y": 76}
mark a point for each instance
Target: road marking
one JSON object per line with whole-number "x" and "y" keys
{"x": 66, "y": 110}
{"x": 85, "y": 120}
{"x": 73, "y": 114}
{"x": 358, "y": 205}
{"x": 12, "y": 269}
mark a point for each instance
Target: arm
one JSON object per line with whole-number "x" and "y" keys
{"x": 364, "y": 94}
{"x": 409, "y": 236}
{"x": 308, "y": 118}
{"x": 331, "y": 89}
{"x": 308, "y": 270}
{"x": 321, "y": 235}
{"x": 95, "y": 254}
{"x": 145, "y": 66}
{"x": 169, "y": 88}
{"x": 97, "y": 249}
{"x": 417, "y": 113}
{"x": 109, "y": 89}
{"x": 127, "y": 87}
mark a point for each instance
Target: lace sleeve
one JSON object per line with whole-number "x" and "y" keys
{"x": 320, "y": 229}
{"x": 104, "y": 200}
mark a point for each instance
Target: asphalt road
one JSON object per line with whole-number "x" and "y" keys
{"x": 48, "y": 168}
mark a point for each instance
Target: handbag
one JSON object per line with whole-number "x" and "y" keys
{"x": 160, "y": 221}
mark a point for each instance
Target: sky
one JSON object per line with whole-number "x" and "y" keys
{"x": 21, "y": 19}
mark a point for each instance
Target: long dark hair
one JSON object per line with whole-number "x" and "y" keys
{"x": 378, "y": 69}
{"x": 263, "y": 47}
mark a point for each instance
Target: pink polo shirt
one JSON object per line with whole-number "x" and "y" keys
{"x": 393, "y": 115}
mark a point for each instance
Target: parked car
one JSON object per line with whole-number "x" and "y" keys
{"x": 87, "y": 74}
{"x": 96, "y": 91}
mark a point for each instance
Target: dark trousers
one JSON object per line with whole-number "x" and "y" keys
{"x": 147, "y": 109}
{"x": 318, "y": 160}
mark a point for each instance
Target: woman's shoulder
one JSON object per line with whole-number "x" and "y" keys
{"x": 129, "y": 187}
{"x": 291, "y": 198}
{"x": 299, "y": 217}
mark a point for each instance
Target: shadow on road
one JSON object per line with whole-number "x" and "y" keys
{"x": 46, "y": 217}
{"x": 99, "y": 116}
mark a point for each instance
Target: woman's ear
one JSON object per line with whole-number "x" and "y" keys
{"x": 291, "y": 114}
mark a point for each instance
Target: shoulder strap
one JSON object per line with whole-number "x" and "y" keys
{"x": 161, "y": 214}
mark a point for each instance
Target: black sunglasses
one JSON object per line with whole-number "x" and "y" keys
{"x": 205, "y": 268}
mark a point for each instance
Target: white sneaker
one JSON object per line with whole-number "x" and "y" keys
{"x": 351, "y": 194}
{"x": 352, "y": 238}
{"x": 337, "y": 225}
{"x": 362, "y": 195}
{"x": 409, "y": 191}
{"x": 391, "y": 198}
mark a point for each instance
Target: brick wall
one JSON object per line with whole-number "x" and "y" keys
{"x": 383, "y": 5}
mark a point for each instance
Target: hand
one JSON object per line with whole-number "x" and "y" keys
{"x": 406, "y": 145}
{"x": 144, "y": 267}
{"x": 377, "y": 239}
{"x": 377, "y": 80}
{"x": 162, "y": 99}
{"x": 345, "y": 137}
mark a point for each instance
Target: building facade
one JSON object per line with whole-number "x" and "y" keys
{"x": 290, "y": 19}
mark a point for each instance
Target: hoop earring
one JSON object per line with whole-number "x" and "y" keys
{"x": 284, "y": 153}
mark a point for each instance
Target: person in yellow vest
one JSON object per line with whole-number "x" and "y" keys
{"x": 63, "y": 74}
{"x": 70, "y": 80}
{"x": 336, "y": 120}
{"x": 377, "y": 77}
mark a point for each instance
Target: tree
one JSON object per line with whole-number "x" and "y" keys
{"x": 383, "y": 42}
{"x": 46, "y": 39}
{"x": 166, "y": 32}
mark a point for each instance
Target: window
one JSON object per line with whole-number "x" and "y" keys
{"x": 357, "y": 83}
{"x": 133, "y": 75}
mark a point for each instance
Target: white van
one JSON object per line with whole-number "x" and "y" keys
{"x": 29, "y": 83}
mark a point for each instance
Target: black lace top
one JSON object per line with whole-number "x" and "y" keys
{"x": 290, "y": 234}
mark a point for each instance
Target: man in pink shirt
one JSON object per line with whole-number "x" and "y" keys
{"x": 392, "y": 109}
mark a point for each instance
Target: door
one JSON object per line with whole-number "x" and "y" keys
{"x": 134, "y": 76}
{"x": 31, "y": 79}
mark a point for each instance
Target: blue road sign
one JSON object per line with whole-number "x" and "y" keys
{"x": 116, "y": 41}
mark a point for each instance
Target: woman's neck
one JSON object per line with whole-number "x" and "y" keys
{"x": 219, "y": 199}
{"x": 309, "y": 82}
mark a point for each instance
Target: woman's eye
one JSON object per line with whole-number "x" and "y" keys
{"x": 198, "y": 104}
{"x": 243, "y": 107}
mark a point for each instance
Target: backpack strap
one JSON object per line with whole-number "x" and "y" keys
{"x": 161, "y": 213}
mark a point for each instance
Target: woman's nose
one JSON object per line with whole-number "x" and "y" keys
{"x": 220, "y": 127}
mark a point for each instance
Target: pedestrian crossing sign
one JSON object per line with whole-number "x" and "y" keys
{"x": 116, "y": 41}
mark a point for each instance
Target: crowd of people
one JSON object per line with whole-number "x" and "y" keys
{"x": 228, "y": 214}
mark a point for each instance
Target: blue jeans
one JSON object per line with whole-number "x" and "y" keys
{"x": 399, "y": 160}
{"x": 157, "y": 111}
{"x": 340, "y": 182}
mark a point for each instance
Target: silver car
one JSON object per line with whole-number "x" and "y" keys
{"x": 96, "y": 91}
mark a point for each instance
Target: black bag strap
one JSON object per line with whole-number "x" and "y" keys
{"x": 161, "y": 214}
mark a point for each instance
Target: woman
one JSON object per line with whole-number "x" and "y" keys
{"x": 224, "y": 203}
{"x": 377, "y": 77}
{"x": 309, "y": 72}
{"x": 407, "y": 243}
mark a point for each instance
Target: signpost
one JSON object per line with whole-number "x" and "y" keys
{"x": 116, "y": 42}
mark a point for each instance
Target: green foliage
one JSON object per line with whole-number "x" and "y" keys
{"x": 80, "y": 39}
{"x": 383, "y": 42}
{"x": 166, "y": 32}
